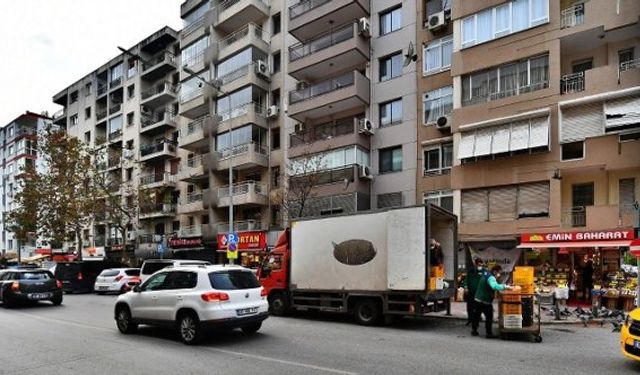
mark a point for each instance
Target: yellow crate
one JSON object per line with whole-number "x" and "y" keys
{"x": 523, "y": 276}
{"x": 512, "y": 295}
{"x": 437, "y": 271}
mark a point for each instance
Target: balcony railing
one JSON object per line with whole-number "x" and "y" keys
{"x": 100, "y": 114}
{"x": 304, "y": 6}
{"x": 322, "y": 132}
{"x": 575, "y": 217}
{"x": 193, "y": 197}
{"x": 328, "y": 176}
{"x": 115, "y": 107}
{"x": 164, "y": 208}
{"x": 571, "y": 83}
{"x": 322, "y": 41}
{"x": 164, "y": 56}
{"x": 226, "y": 4}
{"x": 154, "y": 177}
{"x": 115, "y": 134}
{"x": 102, "y": 88}
{"x": 242, "y": 188}
{"x": 114, "y": 241}
{"x": 157, "y": 147}
{"x": 631, "y": 64}
{"x": 241, "y": 149}
{"x": 194, "y": 126}
{"x": 158, "y": 89}
{"x": 193, "y": 26}
{"x": 191, "y": 230}
{"x": 322, "y": 88}
{"x": 59, "y": 114}
{"x": 156, "y": 117}
{"x": 242, "y": 110}
{"x": 241, "y": 226}
{"x": 115, "y": 82}
{"x": 572, "y": 16}
{"x": 241, "y": 34}
{"x": 150, "y": 238}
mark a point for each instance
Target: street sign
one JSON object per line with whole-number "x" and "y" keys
{"x": 229, "y": 238}
{"x": 232, "y": 251}
{"x": 161, "y": 249}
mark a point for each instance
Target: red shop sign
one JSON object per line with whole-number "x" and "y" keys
{"x": 178, "y": 243}
{"x": 246, "y": 241}
{"x": 599, "y": 235}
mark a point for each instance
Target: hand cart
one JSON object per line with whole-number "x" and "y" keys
{"x": 519, "y": 314}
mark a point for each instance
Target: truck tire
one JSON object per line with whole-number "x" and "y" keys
{"x": 367, "y": 312}
{"x": 279, "y": 304}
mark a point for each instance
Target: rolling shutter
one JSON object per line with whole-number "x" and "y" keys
{"x": 622, "y": 112}
{"x": 483, "y": 142}
{"x": 502, "y": 203}
{"x": 627, "y": 188}
{"x": 582, "y": 122}
{"x": 519, "y": 136}
{"x": 465, "y": 148}
{"x": 474, "y": 206}
{"x": 539, "y": 134}
{"x": 501, "y": 138}
{"x": 533, "y": 199}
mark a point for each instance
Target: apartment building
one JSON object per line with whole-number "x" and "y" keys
{"x": 352, "y": 103}
{"x": 126, "y": 112}
{"x": 18, "y": 145}
{"x": 545, "y": 127}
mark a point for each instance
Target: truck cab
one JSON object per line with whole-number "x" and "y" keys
{"x": 273, "y": 275}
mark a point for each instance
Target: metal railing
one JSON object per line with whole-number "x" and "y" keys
{"x": 242, "y": 188}
{"x": 164, "y": 208}
{"x": 158, "y": 89}
{"x": 191, "y": 230}
{"x": 150, "y": 238}
{"x": 115, "y": 82}
{"x": 572, "y": 16}
{"x": 571, "y": 83}
{"x": 242, "y": 149}
{"x": 102, "y": 88}
{"x": 162, "y": 146}
{"x": 241, "y": 226}
{"x": 114, "y": 241}
{"x": 241, "y": 34}
{"x": 116, "y": 107}
{"x": 156, "y": 117}
{"x": 304, "y": 6}
{"x": 631, "y": 64}
{"x": 321, "y": 42}
{"x": 322, "y": 88}
{"x": 323, "y": 177}
{"x": 322, "y": 132}
{"x": 100, "y": 114}
{"x": 193, "y": 197}
{"x": 115, "y": 134}
{"x": 575, "y": 216}
{"x": 193, "y": 126}
{"x": 59, "y": 114}
{"x": 155, "y": 177}
{"x": 226, "y": 4}
{"x": 162, "y": 57}
{"x": 242, "y": 110}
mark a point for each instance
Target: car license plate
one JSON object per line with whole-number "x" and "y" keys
{"x": 39, "y": 295}
{"x": 103, "y": 288}
{"x": 248, "y": 311}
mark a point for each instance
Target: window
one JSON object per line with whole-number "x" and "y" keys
{"x": 275, "y": 139}
{"x": 391, "y": 113}
{"x": 131, "y": 67}
{"x": 130, "y": 118}
{"x": 437, "y": 6}
{"x": 573, "y": 150}
{"x": 391, "y": 159}
{"x": 194, "y": 53}
{"x": 442, "y": 198}
{"x": 73, "y": 120}
{"x": 73, "y": 97}
{"x": 195, "y": 16}
{"x": 131, "y": 91}
{"x": 175, "y": 225}
{"x": 276, "y": 24}
{"x": 582, "y": 195}
{"x": 154, "y": 282}
{"x": 390, "y": 20}
{"x": 391, "y": 67}
{"x": 390, "y": 200}
{"x": 438, "y": 159}
{"x": 276, "y": 62}
{"x": 233, "y": 280}
{"x": 581, "y": 66}
{"x": 437, "y": 103}
{"x": 129, "y": 174}
{"x": 437, "y": 55}
{"x": 275, "y": 97}
{"x": 507, "y": 80}
{"x": 180, "y": 280}
{"x": 87, "y": 137}
{"x": 626, "y": 194}
{"x": 115, "y": 124}
{"x": 506, "y": 203}
{"x": 87, "y": 113}
{"x": 502, "y": 20}
{"x": 334, "y": 159}
{"x": 625, "y": 56}
{"x": 88, "y": 88}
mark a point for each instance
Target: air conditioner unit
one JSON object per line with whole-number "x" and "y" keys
{"x": 443, "y": 123}
{"x": 128, "y": 154}
{"x": 365, "y": 126}
{"x": 298, "y": 128}
{"x": 364, "y": 172}
{"x": 364, "y": 27}
{"x": 262, "y": 69}
{"x": 272, "y": 111}
{"x": 437, "y": 21}
{"x": 301, "y": 85}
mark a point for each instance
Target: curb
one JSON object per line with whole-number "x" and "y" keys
{"x": 544, "y": 323}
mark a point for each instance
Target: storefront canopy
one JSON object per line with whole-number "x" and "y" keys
{"x": 603, "y": 239}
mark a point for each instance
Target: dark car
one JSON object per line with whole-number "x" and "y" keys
{"x": 29, "y": 286}
{"x": 79, "y": 277}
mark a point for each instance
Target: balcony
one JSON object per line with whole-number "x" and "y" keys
{"x": 241, "y": 226}
{"x": 250, "y": 35}
{"x": 196, "y": 103}
{"x": 101, "y": 114}
{"x": 155, "y": 123}
{"x": 115, "y": 108}
{"x": 233, "y": 14}
{"x": 198, "y": 28}
{"x": 115, "y": 136}
{"x": 338, "y": 94}
{"x": 600, "y": 80}
{"x": 192, "y": 170}
{"x": 250, "y": 113}
{"x": 245, "y": 193}
{"x": 60, "y": 117}
{"x": 158, "y": 66}
{"x": 243, "y": 76}
{"x": 154, "y": 211}
{"x": 193, "y": 136}
{"x": 321, "y": 137}
{"x": 158, "y": 179}
{"x": 164, "y": 149}
{"x": 329, "y": 176}
{"x": 115, "y": 82}
{"x": 159, "y": 95}
{"x": 200, "y": 61}
{"x": 599, "y": 217}
{"x": 102, "y": 88}
{"x": 192, "y": 203}
{"x": 244, "y": 156}
{"x": 308, "y": 16}
{"x": 329, "y": 53}
{"x": 114, "y": 162}
{"x": 572, "y": 16}
{"x": 190, "y": 231}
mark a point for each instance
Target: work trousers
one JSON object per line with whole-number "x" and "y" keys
{"x": 486, "y": 309}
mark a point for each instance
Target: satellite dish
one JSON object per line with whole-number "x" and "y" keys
{"x": 410, "y": 55}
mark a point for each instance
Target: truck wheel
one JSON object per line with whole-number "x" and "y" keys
{"x": 279, "y": 304}
{"x": 366, "y": 312}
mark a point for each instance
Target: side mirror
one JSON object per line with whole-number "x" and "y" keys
{"x": 137, "y": 289}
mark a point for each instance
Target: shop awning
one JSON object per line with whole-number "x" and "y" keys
{"x": 546, "y": 245}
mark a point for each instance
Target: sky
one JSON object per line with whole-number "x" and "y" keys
{"x": 46, "y": 45}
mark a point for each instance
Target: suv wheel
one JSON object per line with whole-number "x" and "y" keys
{"x": 251, "y": 328}
{"x": 124, "y": 322}
{"x": 189, "y": 328}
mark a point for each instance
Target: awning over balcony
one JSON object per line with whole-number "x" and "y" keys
{"x": 601, "y": 239}
{"x": 622, "y": 113}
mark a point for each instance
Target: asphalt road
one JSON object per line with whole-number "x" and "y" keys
{"x": 80, "y": 337}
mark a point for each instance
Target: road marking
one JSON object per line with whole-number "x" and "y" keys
{"x": 223, "y": 351}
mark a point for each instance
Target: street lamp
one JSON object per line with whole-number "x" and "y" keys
{"x": 217, "y": 88}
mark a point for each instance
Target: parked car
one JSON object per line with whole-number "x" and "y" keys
{"x": 29, "y": 286}
{"x": 151, "y": 266}
{"x": 630, "y": 335}
{"x": 192, "y": 299}
{"x": 79, "y": 277}
{"x": 118, "y": 280}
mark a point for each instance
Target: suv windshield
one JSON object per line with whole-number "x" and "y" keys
{"x": 232, "y": 280}
{"x": 153, "y": 267}
{"x": 109, "y": 273}
{"x": 44, "y": 275}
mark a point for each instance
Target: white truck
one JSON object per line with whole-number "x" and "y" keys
{"x": 377, "y": 264}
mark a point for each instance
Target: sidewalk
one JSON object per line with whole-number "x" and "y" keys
{"x": 459, "y": 312}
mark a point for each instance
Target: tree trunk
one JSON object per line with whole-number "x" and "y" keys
{"x": 79, "y": 246}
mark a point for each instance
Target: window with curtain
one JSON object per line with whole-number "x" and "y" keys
{"x": 115, "y": 124}
{"x": 391, "y": 66}
{"x": 391, "y": 112}
{"x": 437, "y": 55}
{"x": 503, "y": 20}
{"x": 437, "y": 103}
{"x": 390, "y": 20}
{"x": 391, "y": 159}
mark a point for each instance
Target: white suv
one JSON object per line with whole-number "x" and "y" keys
{"x": 193, "y": 298}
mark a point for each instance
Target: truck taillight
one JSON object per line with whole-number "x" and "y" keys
{"x": 118, "y": 278}
{"x": 263, "y": 292}
{"x": 80, "y": 276}
{"x": 59, "y": 284}
{"x": 15, "y": 286}
{"x": 214, "y": 296}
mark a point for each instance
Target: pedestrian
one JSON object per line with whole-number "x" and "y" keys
{"x": 475, "y": 273}
{"x": 484, "y": 300}
{"x": 587, "y": 279}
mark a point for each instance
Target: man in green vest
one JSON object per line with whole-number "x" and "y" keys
{"x": 487, "y": 289}
{"x": 474, "y": 275}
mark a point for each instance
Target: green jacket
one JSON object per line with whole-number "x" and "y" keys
{"x": 487, "y": 288}
{"x": 473, "y": 279}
